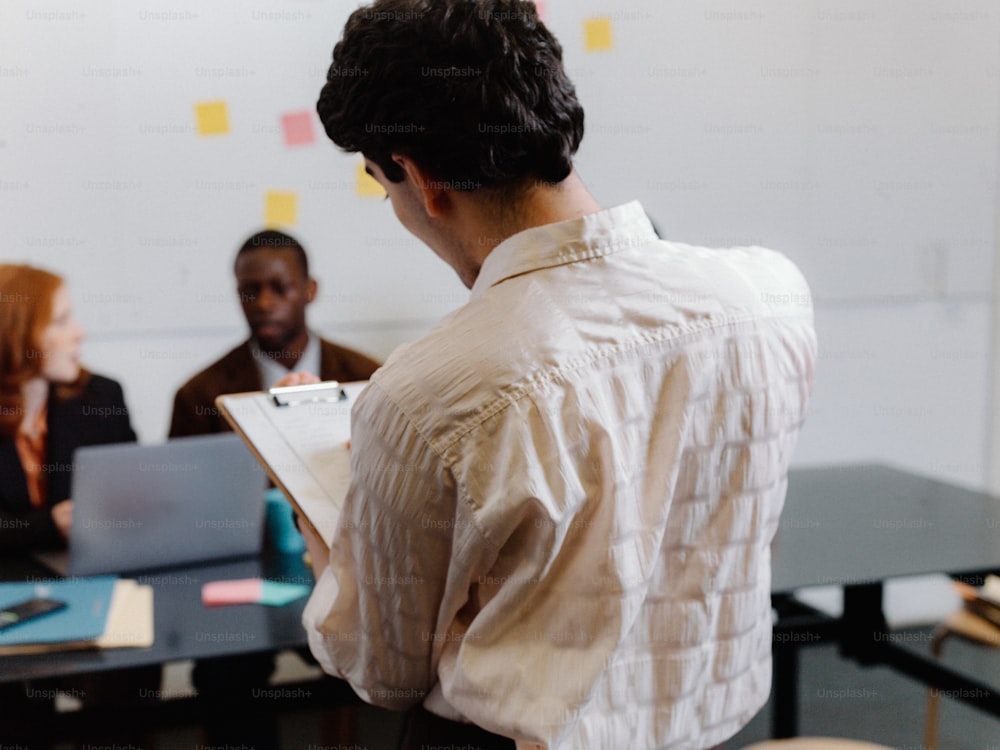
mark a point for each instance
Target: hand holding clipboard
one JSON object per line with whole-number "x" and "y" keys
{"x": 300, "y": 435}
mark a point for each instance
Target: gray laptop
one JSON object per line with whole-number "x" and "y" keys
{"x": 139, "y": 507}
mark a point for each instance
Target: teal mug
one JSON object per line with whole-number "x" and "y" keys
{"x": 281, "y": 530}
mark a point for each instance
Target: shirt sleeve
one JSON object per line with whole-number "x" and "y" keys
{"x": 121, "y": 429}
{"x": 376, "y": 612}
{"x": 185, "y": 418}
{"x": 28, "y": 530}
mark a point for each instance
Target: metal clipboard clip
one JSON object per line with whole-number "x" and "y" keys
{"x": 329, "y": 391}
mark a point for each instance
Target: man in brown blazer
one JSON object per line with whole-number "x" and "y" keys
{"x": 273, "y": 282}
{"x": 272, "y": 279}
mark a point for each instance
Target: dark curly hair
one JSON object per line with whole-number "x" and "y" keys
{"x": 270, "y": 239}
{"x": 473, "y": 91}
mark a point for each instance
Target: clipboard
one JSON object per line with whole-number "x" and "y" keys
{"x": 300, "y": 435}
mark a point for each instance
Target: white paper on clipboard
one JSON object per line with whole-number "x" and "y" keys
{"x": 303, "y": 447}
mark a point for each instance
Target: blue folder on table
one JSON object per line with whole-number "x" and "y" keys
{"x": 88, "y": 601}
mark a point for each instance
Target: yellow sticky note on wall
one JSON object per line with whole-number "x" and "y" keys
{"x": 280, "y": 209}
{"x": 212, "y": 117}
{"x": 597, "y": 34}
{"x": 365, "y": 185}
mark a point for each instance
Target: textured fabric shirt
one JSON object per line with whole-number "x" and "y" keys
{"x": 562, "y": 498}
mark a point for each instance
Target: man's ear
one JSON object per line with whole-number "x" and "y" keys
{"x": 433, "y": 193}
{"x": 311, "y": 287}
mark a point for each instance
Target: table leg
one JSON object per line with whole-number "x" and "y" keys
{"x": 864, "y": 625}
{"x": 785, "y": 713}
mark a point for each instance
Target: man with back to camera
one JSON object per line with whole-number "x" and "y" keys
{"x": 562, "y": 497}
{"x": 274, "y": 285}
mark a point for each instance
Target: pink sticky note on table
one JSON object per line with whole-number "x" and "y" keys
{"x": 240, "y": 591}
{"x": 298, "y": 128}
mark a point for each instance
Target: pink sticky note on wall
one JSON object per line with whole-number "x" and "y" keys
{"x": 298, "y": 128}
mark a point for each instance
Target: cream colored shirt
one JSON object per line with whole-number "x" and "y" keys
{"x": 563, "y": 496}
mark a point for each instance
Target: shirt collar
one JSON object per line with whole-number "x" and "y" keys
{"x": 591, "y": 236}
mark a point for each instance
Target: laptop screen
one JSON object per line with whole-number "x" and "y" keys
{"x": 187, "y": 500}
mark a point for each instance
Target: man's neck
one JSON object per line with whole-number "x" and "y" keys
{"x": 286, "y": 358}
{"x": 548, "y": 204}
{"x": 480, "y": 227}
{"x": 288, "y": 355}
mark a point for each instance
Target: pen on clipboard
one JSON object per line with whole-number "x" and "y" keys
{"x": 293, "y": 395}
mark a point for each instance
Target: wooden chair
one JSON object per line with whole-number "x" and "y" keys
{"x": 963, "y": 624}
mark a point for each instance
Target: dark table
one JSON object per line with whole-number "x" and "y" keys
{"x": 856, "y": 527}
{"x": 851, "y": 526}
{"x": 184, "y": 628}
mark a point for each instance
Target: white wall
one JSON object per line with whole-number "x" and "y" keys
{"x": 858, "y": 138}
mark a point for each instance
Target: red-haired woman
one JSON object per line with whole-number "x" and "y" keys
{"x": 49, "y": 406}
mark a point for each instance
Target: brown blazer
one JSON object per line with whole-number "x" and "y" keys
{"x": 195, "y": 412}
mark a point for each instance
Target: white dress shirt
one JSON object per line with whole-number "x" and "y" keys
{"x": 272, "y": 370}
{"x": 562, "y": 497}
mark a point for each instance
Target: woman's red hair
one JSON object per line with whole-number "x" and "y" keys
{"x": 26, "y": 295}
